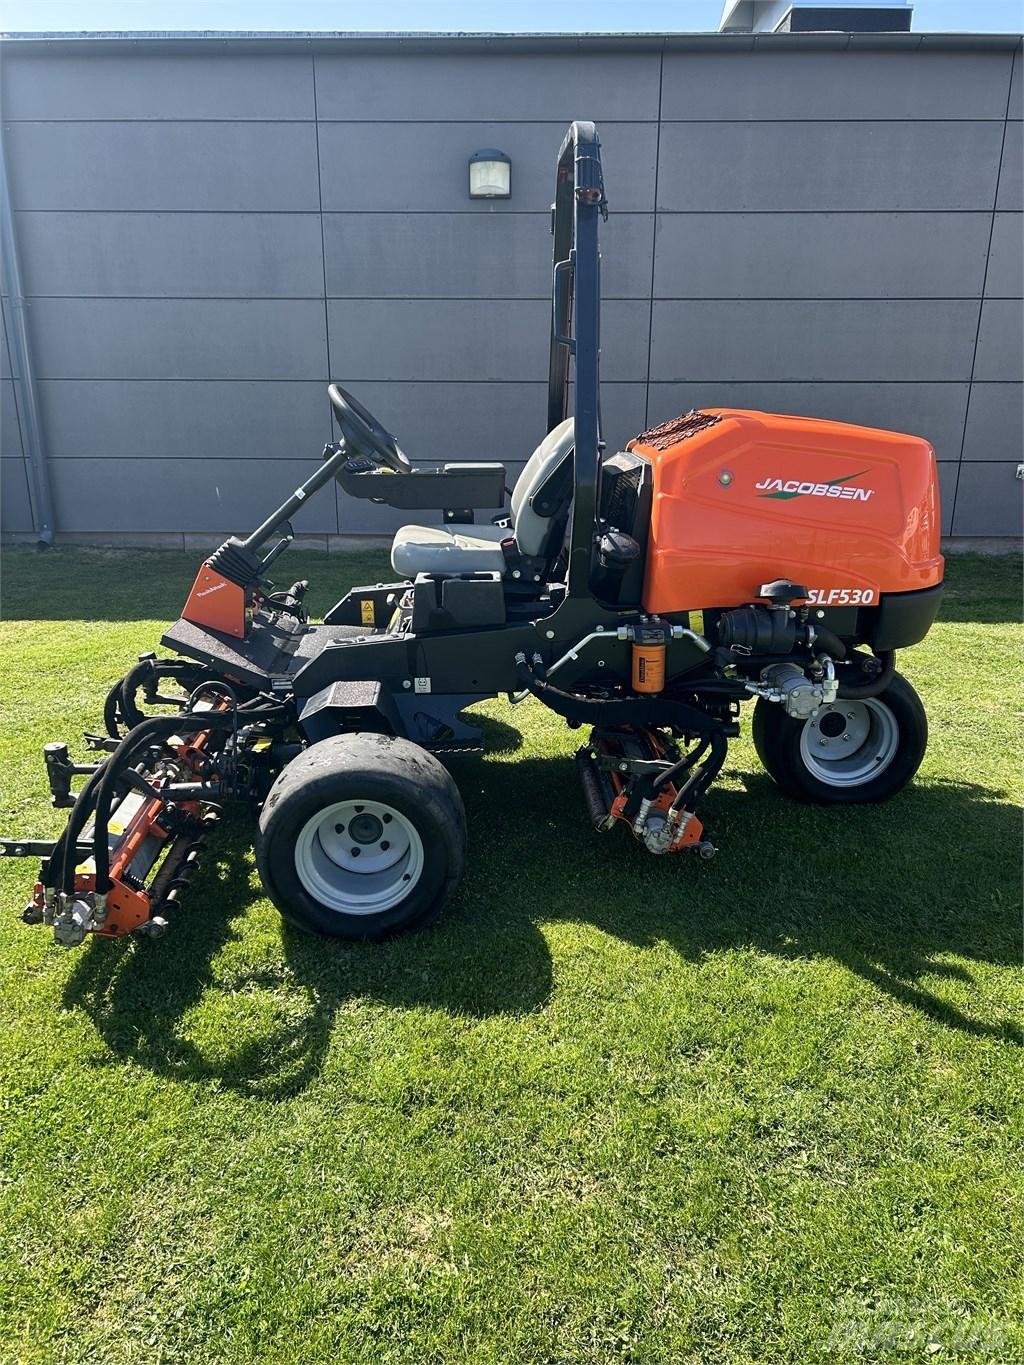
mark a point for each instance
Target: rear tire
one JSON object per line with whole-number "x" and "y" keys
{"x": 849, "y": 752}
{"x": 362, "y": 837}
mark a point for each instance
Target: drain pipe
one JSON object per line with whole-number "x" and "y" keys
{"x": 23, "y": 375}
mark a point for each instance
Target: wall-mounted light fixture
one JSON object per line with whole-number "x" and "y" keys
{"x": 490, "y": 175}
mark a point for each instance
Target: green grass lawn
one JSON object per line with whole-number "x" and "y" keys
{"x": 610, "y": 1108}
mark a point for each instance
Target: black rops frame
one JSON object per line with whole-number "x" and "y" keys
{"x": 576, "y": 330}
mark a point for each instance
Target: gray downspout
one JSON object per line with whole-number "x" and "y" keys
{"x": 21, "y": 365}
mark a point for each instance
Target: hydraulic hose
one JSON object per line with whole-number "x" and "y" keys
{"x": 149, "y": 671}
{"x": 638, "y": 711}
{"x": 683, "y": 766}
{"x": 830, "y": 641}
{"x": 107, "y": 777}
{"x": 861, "y": 691}
{"x": 698, "y": 784}
{"x": 56, "y": 866}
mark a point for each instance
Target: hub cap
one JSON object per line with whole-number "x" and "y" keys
{"x": 849, "y": 743}
{"x": 359, "y": 857}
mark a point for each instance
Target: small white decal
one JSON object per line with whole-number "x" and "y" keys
{"x": 421, "y": 684}
{"x": 841, "y": 597}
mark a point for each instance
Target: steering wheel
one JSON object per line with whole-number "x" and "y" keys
{"x": 364, "y": 433}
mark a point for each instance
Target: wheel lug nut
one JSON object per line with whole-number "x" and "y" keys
{"x": 384, "y": 845}
{"x": 356, "y": 852}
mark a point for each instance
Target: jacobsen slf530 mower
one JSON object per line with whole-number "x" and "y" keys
{"x": 643, "y": 594}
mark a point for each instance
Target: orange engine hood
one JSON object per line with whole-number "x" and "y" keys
{"x": 739, "y": 498}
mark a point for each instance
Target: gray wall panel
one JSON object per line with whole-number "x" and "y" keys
{"x": 851, "y": 85}
{"x": 126, "y": 85}
{"x": 947, "y": 493}
{"x": 822, "y": 245}
{"x": 1011, "y": 177}
{"x": 1015, "y": 108}
{"x": 756, "y": 340}
{"x": 172, "y": 495}
{"x": 1000, "y": 340}
{"x": 935, "y": 411}
{"x": 267, "y": 255}
{"x": 255, "y": 166}
{"x": 471, "y": 255}
{"x": 822, "y": 166}
{"x": 464, "y": 339}
{"x": 995, "y": 422}
{"x": 988, "y": 500}
{"x": 10, "y": 431}
{"x": 470, "y": 89}
{"x": 168, "y": 419}
{"x": 438, "y": 255}
{"x": 371, "y": 166}
{"x": 1005, "y": 277}
{"x": 15, "y": 508}
{"x": 438, "y": 340}
{"x": 821, "y": 255}
{"x": 179, "y": 339}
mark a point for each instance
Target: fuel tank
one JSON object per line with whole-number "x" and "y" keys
{"x": 740, "y": 498}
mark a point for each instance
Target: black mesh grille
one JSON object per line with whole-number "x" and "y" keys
{"x": 620, "y": 487}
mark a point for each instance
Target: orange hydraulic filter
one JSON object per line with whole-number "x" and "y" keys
{"x": 649, "y": 642}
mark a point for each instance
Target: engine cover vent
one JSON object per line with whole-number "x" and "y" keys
{"x": 678, "y": 429}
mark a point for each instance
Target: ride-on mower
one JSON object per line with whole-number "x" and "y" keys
{"x": 644, "y": 594}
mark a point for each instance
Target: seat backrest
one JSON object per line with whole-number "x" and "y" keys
{"x": 531, "y": 529}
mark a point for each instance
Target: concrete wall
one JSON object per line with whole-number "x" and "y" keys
{"x": 209, "y": 231}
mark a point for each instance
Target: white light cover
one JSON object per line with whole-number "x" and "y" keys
{"x": 490, "y": 180}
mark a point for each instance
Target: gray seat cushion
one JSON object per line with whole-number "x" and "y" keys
{"x": 448, "y": 549}
{"x": 475, "y": 549}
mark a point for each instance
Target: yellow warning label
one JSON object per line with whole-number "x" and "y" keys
{"x": 260, "y": 745}
{"x": 115, "y": 827}
{"x": 697, "y": 621}
{"x": 367, "y": 614}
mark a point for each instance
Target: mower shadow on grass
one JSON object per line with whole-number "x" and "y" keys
{"x": 889, "y": 892}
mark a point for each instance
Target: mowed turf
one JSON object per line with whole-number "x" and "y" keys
{"x": 610, "y": 1108}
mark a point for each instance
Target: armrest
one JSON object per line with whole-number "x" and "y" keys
{"x": 441, "y": 486}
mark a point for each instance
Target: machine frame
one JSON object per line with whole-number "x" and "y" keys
{"x": 333, "y": 728}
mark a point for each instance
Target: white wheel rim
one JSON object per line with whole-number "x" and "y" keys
{"x": 359, "y": 857}
{"x": 849, "y": 743}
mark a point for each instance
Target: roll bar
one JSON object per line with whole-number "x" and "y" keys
{"x": 575, "y": 328}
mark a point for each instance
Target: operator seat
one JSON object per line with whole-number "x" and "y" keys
{"x": 477, "y": 549}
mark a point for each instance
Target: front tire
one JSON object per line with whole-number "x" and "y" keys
{"x": 362, "y": 837}
{"x": 852, "y": 751}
